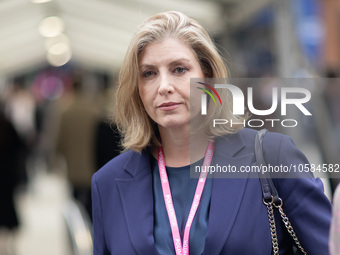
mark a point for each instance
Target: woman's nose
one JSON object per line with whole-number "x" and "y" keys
{"x": 165, "y": 86}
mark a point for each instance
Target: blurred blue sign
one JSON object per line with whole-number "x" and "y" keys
{"x": 310, "y": 31}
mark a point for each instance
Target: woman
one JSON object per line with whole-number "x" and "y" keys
{"x": 142, "y": 207}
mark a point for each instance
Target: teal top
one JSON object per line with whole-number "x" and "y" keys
{"x": 182, "y": 189}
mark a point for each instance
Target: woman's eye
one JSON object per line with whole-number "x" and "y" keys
{"x": 180, "y": 70}
{"x": 148, "y": 73}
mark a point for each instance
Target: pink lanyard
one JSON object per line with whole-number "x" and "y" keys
{"x": 183, "y": 250}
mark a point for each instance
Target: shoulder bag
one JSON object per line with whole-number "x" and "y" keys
{"x": 271, "y": 199}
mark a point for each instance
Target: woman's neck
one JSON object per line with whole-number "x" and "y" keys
{"x": 180, "y": 148}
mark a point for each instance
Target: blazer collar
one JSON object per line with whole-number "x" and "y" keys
{"x": 229, "y": 145}
{"x": 138, "y": 163}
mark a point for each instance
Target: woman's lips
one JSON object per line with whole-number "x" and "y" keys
{"x": 169, "y": 106}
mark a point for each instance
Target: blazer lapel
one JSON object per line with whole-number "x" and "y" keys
{"x": 226, "y": 194}
{"x": 137, "y": 202}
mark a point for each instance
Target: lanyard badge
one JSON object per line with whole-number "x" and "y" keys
{"x": 183, "y": 249}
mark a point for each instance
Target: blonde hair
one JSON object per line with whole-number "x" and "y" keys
{"x": 137, "y": 128}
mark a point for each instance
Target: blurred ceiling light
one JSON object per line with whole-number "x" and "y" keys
{"x": 51, "y": 26}
{"x": 59, "y": 54}
{"x": 40, "y": 1}
{"x": 59, "y": 49}
{"x": 61, "y": 38}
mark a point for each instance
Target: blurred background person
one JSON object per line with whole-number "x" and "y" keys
{"x": 76, "y": 142}
{"x": 107, "y": 143}
{"x": 107, "y": 137}
{"x": 20, "y": 108}
{"x": 11, "y": 157}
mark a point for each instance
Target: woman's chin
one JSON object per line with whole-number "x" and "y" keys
{"x": 175, "y": 124}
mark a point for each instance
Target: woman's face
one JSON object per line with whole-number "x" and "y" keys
{"x": 165, "y": 69}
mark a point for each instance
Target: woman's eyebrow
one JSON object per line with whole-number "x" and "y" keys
{"x": 176, "y": 61}
{"x": 143, "y": 66}
{"x": 172, "y": 62}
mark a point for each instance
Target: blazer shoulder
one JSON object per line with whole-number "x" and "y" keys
{"x": 271, "y": 140}
{"x": 280, "y": 148}
{"x": 115, "y": 168}
{"x": 249, "y": 134}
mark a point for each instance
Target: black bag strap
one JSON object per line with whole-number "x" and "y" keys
{"x": 271, "y": 198}
{"x": 269, "y": 191}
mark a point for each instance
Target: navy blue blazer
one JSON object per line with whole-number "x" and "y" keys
{"x": 238, "y": 221}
